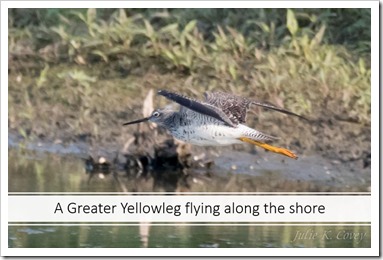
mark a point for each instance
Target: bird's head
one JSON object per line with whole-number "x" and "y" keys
{"x": 158, "y": 116}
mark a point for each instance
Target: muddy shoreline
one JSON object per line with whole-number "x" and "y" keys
{"x": 333, "y": 150}
{"x": 338, "y": 139}
{"x": 232, "y": 168}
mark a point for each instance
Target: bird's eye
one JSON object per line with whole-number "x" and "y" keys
{"x": 156, "y": 114}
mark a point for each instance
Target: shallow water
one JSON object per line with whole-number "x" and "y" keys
{"x": 36, "y": 171}
{"x": 41, "y": 170}
{"x": 186, "y": 236}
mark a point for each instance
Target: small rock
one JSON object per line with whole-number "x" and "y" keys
{"x": 101, "y": 160}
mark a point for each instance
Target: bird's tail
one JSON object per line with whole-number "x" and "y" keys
{"x": 269, "y": 147}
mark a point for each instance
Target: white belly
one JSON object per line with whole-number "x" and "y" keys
{"x": 213, "y": 135}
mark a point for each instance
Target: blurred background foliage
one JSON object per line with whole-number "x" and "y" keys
{"x": 86, "y": 67}
{"x": 351, "y": 27}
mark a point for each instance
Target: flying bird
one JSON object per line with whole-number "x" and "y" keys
{"x": 217, "y": 121}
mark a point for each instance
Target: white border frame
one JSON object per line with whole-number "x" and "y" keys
{"x": 375, "y": 180}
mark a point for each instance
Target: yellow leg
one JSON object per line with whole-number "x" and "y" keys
{"x": 271, "y": 148}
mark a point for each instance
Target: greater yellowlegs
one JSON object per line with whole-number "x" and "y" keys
{"x": 217, "y": 121}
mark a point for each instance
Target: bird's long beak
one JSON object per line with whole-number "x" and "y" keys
{"x": 137, "y": 121}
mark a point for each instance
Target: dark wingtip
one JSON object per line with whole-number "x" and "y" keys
{"x": 308, "y": 120}
{"x": 279, "y": 109}
{"x": 301, "y": 117}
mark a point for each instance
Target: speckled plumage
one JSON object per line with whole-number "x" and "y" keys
{"x": 218, "y": 120}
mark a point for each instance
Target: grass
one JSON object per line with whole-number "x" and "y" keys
{"x": 86, "y": 70}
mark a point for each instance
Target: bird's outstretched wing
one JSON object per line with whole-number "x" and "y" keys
{"x": 228, "y": 108}
{"x": 236, "y": 107}
{"x": 198, "y": 106}
{"x": 279, "y": 109}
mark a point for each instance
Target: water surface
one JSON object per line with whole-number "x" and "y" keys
{"x": 36, "y": 171}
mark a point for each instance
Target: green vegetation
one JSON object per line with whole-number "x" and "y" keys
{"x": 81, "y": 71}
